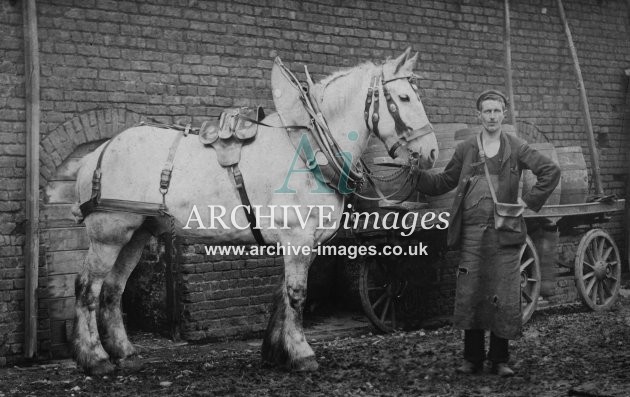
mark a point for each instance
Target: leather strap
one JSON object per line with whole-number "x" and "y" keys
{"x": 96, "y": 176}
{"x": 401, "y": 127}
{"x": 368, "y": 104}
{"x": 167, "y": 170}
{"x": 188, "y": 129}
{"x": 392, "y": 150}
{"x": 114, "y": 205}
{"x": 235, "y": 172}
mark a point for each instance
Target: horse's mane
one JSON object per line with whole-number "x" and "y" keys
{"x": 344, "y": 72}
{"x": 338, "y": 101}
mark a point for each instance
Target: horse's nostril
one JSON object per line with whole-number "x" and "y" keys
{"x": 432, "y": 155}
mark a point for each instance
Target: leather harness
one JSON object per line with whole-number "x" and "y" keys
{"x": 318, "y": 128}
{"x": 96, "y": 203}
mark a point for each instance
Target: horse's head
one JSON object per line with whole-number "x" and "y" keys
{"x": 398, "y": 117}
{"x": 392, "y": 109}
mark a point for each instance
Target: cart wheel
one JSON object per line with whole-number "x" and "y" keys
{"x": 381, "y": 289}
{"x": 597, "y": 270}
{"x": 530, "y": 279}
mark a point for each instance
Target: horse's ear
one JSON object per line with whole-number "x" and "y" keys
{"x": 286, "y": 95}
{"x": 401, "y": 60}
{"x": 410, "y": 63}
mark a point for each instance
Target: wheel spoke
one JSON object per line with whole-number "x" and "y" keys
{"x": 593, "y": 291}
{"x": 588, "y": 264}
{"x": 394, "y": 315}
{"x": 589, "y": 253}
{"x": 606, "y": 288}
{"x": 526, "y": 296}
{"x": 525, "y": 264}
{"x": 607, "y": 253}
{"x": 384, "y": 313}
{"x": 379, "y": 300}
{"x": 588, "y": 275}
{"x": 600, "y": 247}
{"x": 600, "y": 293}
{"x": 590, "y": 286}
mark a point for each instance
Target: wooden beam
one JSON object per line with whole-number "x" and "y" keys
{"x": 626, "y": 129}
{"x": 508, "y": 63}
{"x": 585, "y": 110}
{"x": 31, "y": 255}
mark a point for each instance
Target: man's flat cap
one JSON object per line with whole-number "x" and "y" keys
{"x": 491, "y": 94}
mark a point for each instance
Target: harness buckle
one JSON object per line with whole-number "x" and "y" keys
{"x": 165, "y": 180}
{"x": 96, "y": 182}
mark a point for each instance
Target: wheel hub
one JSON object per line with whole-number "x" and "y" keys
{"x": 523, "y": 279}
{"x": 395, "y": 288}
{"x": 602, "y": 270}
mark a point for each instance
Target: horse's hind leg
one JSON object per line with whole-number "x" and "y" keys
{"x": 87, "y": 348}
{"x": 108, "y": 233}
{"x": 110, "y": 322}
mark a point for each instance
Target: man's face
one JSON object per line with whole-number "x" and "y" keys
{"x": 491, "y": 115}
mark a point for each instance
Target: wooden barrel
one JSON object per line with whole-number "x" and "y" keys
{"x": 529, "y": 179}
{"x": 463, "y": 133}
{"x": 574, "y": 175}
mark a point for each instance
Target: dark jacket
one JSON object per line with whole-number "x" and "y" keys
{"x": 517, "y": 156}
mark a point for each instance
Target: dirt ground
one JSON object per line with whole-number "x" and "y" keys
{"x": 563, "y": 351}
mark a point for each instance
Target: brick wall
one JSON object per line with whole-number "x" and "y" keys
{"x": 183, "y": 61}
{"x": 12, "y": 186}
{"x": 225, "y": 295}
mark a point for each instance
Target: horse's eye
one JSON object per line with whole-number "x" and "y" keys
{"x": 404, "y": 97}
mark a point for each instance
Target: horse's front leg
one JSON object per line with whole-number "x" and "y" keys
{"x": 284, "y": 342}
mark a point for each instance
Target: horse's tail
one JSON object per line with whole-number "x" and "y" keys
{"x": 75, "y": 209}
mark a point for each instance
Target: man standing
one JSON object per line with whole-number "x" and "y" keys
{"x": 488, "y": 278}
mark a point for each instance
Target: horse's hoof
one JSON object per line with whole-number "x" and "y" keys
{"x": 130, "y": 363}
{"x": 306, "y": 364}
{"x": 102, "y": 367}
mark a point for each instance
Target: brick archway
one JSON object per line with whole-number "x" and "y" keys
{"x": 63, "y": 242}
{"x": 90, "y": 126}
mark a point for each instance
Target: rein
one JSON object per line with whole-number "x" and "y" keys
{"x": 356, "y": 175}
{"x": 322, "y": 134}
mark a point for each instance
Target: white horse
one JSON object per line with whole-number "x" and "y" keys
{"x": 131, "y": 168}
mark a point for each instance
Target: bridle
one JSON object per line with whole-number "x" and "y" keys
{"x": 405, "y": 133}
{"x": 329, "y": 147}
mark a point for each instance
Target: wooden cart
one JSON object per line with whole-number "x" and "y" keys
{"x": 384, "y": 281}
{"x": 597, "y": 265}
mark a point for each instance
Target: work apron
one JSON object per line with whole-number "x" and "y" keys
{"x": 488, "y": 294}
